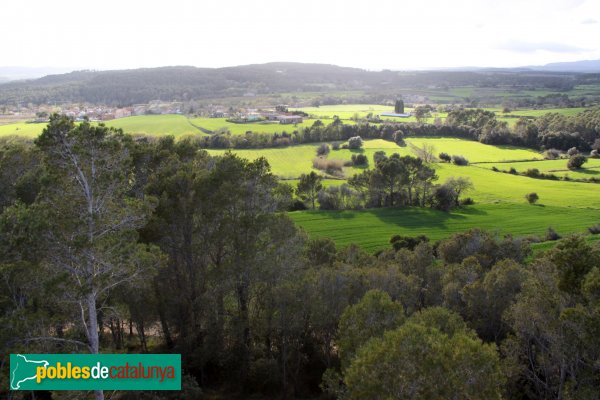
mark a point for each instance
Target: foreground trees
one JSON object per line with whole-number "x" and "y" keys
{"x": 183, "y": 252}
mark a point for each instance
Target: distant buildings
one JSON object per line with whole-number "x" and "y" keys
{"x": 391, "y": 114}
{"x": 290, "y": 119}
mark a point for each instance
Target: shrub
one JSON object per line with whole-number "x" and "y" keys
{"x": 335, "y": 146}
{"x": 495, "y": 169}
{"x": 572, "y": 151}
{"x": 467, "y": 201}
{"x": 360, "y": 160}
{"x": 399, "y": 138}
{"x": 533, "y": 173}
{"x": 407, "y": 242}
{"x": 332, "y": 167}
{"x": 459, "y": 160}
{"x": 594, "y": 154}
{"x": 594, "y": 229}
{"x": 512, "y": 170}
{"x": 298, "y": 205}
{"x": 379, "y": 156}
{"x": 552, "y": 154}
{"x": 445, "y": 157}
{"x": 355, "y": 142}
{"x": 323, "y": 149}
{"x": 576, "y": 161}
{"x": 551, "y": 234}
{"x": 532, "y": 198}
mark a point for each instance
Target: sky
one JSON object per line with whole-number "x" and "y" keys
{"x": 372, "y": 34}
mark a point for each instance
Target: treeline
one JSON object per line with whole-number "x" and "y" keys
{"x": 550, "y": 131}
{"x": 109, "y": 244}
{"x": 128, "y": 87}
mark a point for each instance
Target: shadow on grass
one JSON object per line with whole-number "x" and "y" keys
{"x": 414, "y": 217}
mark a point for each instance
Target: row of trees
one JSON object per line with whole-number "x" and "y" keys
{"x": 109, "y": 244}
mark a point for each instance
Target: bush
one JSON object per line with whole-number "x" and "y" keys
{"x": 551, "y": 234}
{"x": 298, "y": 205}
{"x": 323, "y": 149}
{"x": 576, "y": 161}
{"x": 335, "y": 146}
{"x": 572, "y": 151}
{"x": 495, "y": 169}
{"x": 533, "y": 173}
{"x": 459, "y": 160}
{"x": 332, "y": 167}
{"x": 594, "y": 229}
{"x": 445, "y": 157}
{"x": 360, "y": 160}
{"x": 467, "y": 201}
{"x": 379, "y": 156}
{"x": 594, "y": 154}
{"x": 552, "y": 154}
{"x": 399, "y": 138}
{"x": 512, "y": 170}
{"x": 532, "y": 198}
{"x": 355, "y": 142}
{"x": 407, "y": 242}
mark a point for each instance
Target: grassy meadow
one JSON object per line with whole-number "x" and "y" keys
{"x": 373, "y": 228}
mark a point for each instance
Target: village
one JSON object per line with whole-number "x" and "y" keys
{"x": 92, "y": 112}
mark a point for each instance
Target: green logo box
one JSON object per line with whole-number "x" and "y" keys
{"x": 95, "y": 371}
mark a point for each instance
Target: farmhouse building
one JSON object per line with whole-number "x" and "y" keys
{"x": 290, "y": 119}
{"x": 391, "y": 114}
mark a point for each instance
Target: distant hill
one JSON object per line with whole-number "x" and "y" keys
{"x": 126, "y": 87}
{"x": 588, "y": 66}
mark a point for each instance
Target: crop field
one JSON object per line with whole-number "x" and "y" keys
{"x": 22, "y": 129}
{"x": 176, "y": 125}
{"x": 373, "y": 228}
{"x": 154, "y": 125}
{"x": 591, "y": 169}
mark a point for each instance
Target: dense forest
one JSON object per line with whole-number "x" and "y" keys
{"x": 115, "y": 244}
{"x": 127, "y": 87}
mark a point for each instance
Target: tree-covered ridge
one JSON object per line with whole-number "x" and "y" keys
{"x": 127, "y": 87}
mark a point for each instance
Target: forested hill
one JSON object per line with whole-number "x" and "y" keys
{"x": 126, "y": 87}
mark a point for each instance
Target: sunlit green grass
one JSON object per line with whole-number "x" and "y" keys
{"x": 591, "y": 169}
{"x": 22, "y": 129}
{"x": 373, "y": 228}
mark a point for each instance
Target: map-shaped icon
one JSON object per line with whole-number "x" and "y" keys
{"x": 24, "y": 370}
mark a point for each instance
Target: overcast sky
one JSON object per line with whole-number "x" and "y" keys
{"x": 372, "y": 34}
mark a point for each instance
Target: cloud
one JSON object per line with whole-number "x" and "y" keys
{"x": 589, "y": 21}
{"x": 532, "y": 47}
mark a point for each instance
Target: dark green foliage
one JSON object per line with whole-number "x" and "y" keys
{"x": 360, "y": 160}
{"x": 355, "y": 142}
{"x": 323, "y": 149}
{"x": 551, "y": 234}
{"x": 532, "y": 198}
{"x": 594, "y": 229}
{"x": 399, "y": 107}
{"x": 309, "y": 187}
{"x": 407, "y": 242}
{"x": 576, "y": 161}
{"x": 459, "y": 160}
{"x": 445, "y": 157}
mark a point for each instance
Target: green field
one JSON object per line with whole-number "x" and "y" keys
{"x": 22, "y": 129}
{"x": 373, "y": 228}
{"x": 591, "y": 169}
{"x": 176, "y": 125}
